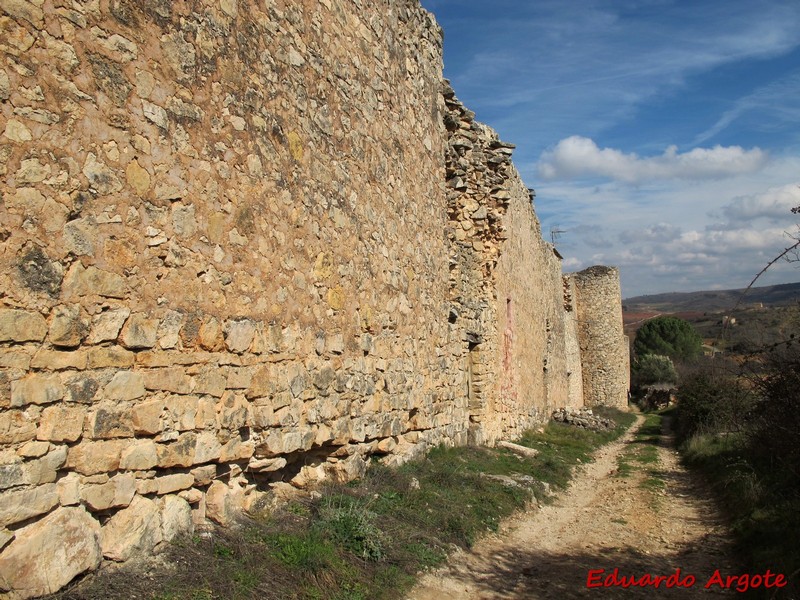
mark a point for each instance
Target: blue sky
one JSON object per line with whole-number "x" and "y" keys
{"x": 663, "y": 136}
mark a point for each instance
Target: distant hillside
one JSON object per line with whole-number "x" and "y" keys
{"x": 713, "y": 300}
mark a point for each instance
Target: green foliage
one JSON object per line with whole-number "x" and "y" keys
{"x": 712, "y": 402}
{"x": 653, "y": 368}
{"x": 744, "y": 435}
{"x": 668, "y": 336}
{"x": 347, "y": 522}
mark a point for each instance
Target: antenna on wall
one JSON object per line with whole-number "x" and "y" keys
{"x": 555, "y": 233}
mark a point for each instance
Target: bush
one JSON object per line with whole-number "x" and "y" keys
{"x": 776, "y": 417}
{"x": 653, "y": 368}
{"x": 713, "y": 403}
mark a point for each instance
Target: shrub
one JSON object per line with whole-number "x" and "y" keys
{"x": 654, "y": 368}
{"x": 713, "y": 403}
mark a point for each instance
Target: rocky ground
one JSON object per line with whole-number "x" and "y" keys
{"x": 603, "y": 521}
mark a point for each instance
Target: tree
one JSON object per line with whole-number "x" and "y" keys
{"x": 653, "y": 368}
{"x": 668, "y": 336}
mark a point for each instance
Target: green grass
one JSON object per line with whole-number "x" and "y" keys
{"x": 366, "y": 539}
{"x": 763, "y": 508}
{"x": 641, "y": 455}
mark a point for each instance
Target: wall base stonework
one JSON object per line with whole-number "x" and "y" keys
{"x": 249, "y": 245}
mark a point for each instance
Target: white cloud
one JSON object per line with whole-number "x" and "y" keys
{"x": 661, "y": 232}
{"x": 578, "y": 157}
{"x": 775, "y": 204}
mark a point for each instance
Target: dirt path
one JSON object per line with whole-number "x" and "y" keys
{"x": 603, "y": 521}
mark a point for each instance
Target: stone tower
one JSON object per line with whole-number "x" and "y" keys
{"x": 604, "y": 347}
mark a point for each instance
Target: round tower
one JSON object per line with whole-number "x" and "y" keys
{"x": 604, "y": 347}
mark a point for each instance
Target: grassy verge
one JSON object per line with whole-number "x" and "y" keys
{"x": 760, "y": 500}
{"x": 367, "y": 539}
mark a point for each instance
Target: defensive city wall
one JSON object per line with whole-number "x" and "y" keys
{"x": 248, "y": 245}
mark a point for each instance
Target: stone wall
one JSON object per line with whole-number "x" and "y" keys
{"x": 508, "y": 303}
{"x": 603, "y": 345}
{"x": 246, "y": 245}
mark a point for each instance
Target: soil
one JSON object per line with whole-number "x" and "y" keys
{"x": 603, "y": 521}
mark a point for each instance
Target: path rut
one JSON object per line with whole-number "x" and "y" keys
{"x": 602, "y": 521}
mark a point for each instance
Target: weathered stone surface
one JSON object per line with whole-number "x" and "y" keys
{"x": 58, "y": 361}
{"x": 79, "y": 236}
{"x": 69, "y": 489}
{"x": 34, "y": 449}
{"x": 138, "y": 178}
{"x": 102, "y": 178}
{"x": 106, "y": 357}
{"x": 61, "y": 423}
{"x": 116, "y": 492}
{"x": 81, "y": 389}
{"x": 37, "y": 389}
{"x": 239, "y": 335}
{"x": 133, "y": 530}
{"x": 22, "y": 9}
{"x": 48, "y": 554}
{"x": 107, "y": 325}
{"x": 139, "y": 456}
{"x": 166, "y": 484}
{"x": 108, "y": 421}
{"x": 89, "y": 458}
{"x": 176, "y": 518}
{"x": 125, "y": 386}
{"x": 16, "y": 426}
{"x": 208, "y": 448}
{"x": 23, "y": 504}
{"x": 67, "y": 328}
{"x": 146, "y": 417}
{"x": 21, "y": 326}
{"x": 17, "y": 132}
{"x": 80, "y": 281}
{"x": 139, "y": 332}
{"x": 222, "y": 503}
{"x": 169, "y": 380}
{"x": 179, "y": 453}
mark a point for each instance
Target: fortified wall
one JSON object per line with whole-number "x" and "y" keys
{"x": 248, "y": 245}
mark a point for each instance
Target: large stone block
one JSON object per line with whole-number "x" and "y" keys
{"x": 67, "y": 328}
{"x": 180, "y": 453}
{"x": 146, "y": 417}
{"x": 80, "y": 281}
{"x": 141, "y": 455}
{"x": 23, "y": 504}
{"x": 172, "y": 379}
{"x": 139, "y": 332}
{"x": 110, "y": 357}
{"x": 239, "y": 335}
{"x": 16, "y": 426}
{"x": 107, "y": 325}
{"x": 133, "y": 530}
{"x": 21, "y": 326}
{"x": 109, "y": 421}
{"x": 116, "y": 492}
{"x": 37, "y": 389}
{"x": 125, "y": 386}
{"x": 61, "y": 423}
{"x": 89, "y": 458}
{"x": 48, "y": 554}
{"x": 176, "y": 518}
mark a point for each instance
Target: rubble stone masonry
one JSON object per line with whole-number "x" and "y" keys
{"x": 604, "y": 347}
{"x": 248, "y": 245}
